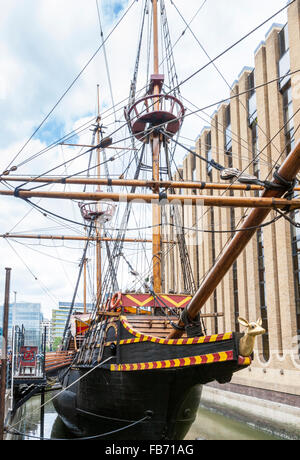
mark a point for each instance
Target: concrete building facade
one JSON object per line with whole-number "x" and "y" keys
{"x": 254, "y": 131}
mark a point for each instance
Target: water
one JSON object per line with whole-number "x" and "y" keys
{"x": 209, "y": 425}
{"x": 212, "y": 426}
{"x": 28, "y": 421}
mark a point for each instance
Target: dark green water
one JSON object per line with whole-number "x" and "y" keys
{"x": 212, "y": 426}
{"x": 208, "y": 426}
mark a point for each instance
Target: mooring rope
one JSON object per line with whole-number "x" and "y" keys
{"x": 19, "y": 433}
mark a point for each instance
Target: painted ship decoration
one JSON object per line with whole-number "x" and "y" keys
{"x": 140, "y": 358}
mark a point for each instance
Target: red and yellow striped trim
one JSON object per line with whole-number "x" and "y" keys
{"x": 187, "y": 341}
{"x": 178, "y": 362}
{"x": 140, "y": 301}
{"x": 179, "y": 304}
{"x": 147, "y": 300}
{"x": 243, "y": 361}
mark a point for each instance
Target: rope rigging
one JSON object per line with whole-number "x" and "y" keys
{"x": 235, "y": 44}
{"x": 71, "y": 85}
{"x": 174, "y": 89}
{"x": 110, "y": 280}
{"x": 106, "y": 60}
{"x": 217, "y": 69}
{"x": 172, "y": 73}
{"x": 188, "y": 277}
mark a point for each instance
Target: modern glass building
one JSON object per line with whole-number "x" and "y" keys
{"x": 60, "y": 316}
{"x": 29, "y": 316}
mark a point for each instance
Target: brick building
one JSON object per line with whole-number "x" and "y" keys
{"x": 264, "y": 281}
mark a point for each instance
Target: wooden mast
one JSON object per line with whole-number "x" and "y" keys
{"x": 268, "y": 202}
{"x": 84, "y": 285}
{"x": 155, "y": 143}
{"x": 135, "y": 182}
{"x": 77, "y": 238}
{"x": 98, "y": 225}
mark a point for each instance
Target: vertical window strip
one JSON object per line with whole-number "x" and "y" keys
{"x": 260, "y": 251}
{"x": 229, "y": 161}
{"x": 212, "y": 222}
{"x": 295, "y": 232}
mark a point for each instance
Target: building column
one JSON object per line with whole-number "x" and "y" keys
{"x": 294, "y": 41}
{"x": 287, "y": 309}
{"x": 263, "y": 116}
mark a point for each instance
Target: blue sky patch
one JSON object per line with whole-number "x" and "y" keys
{"x": 111, "y": 9}
{"x": 117, "y": 7}
{"x": 51, "y": 132}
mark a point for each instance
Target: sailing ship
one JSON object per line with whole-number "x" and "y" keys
{"x": 141, "y": 357}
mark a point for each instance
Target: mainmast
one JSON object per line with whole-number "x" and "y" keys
{"x": 148, "y": 119}
{"x": 156, "y": 146}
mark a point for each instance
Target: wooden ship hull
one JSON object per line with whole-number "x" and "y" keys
{"x": 149, "y": 387}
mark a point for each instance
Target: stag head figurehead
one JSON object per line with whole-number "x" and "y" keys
{"x": 248, "y": 340}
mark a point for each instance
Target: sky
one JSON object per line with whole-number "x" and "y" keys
{"x": 44, "y": 44}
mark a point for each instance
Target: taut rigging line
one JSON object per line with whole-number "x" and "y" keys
{"x": 72, "y": 84}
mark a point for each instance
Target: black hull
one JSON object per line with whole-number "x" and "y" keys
{"x": 105, "y": 402}
{"x": 145, "y": 389}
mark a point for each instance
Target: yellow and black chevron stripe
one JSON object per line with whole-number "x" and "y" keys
{"x": 139, "y": 337}
{"x": 181, "y": 362}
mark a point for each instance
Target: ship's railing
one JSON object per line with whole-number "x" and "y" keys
{"x": 58, "y": 359}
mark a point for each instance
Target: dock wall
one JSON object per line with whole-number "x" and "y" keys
{"x": 271, "y": 412}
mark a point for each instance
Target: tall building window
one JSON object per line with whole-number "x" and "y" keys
{"x": 288, "y": 118}
{"x": 296, "y": 268}
{"x": 283, "y": 40}
{"x": 262, "y": 292}
{"x": 195, "y": 223}
{"x": 213, "y": 248}
{"x": 284, "y": 64}
{"x": 228, "y": 134}
{"x": 295, "y": 232}
{"x": 194, "y": 175}
{"x": 229, "y": 164}
{"x": 209, "y": 154}
{"x": 252, "y": 107}
{"x": 194, "y": 168}
{"x": 260, "y": 251}
{"x": 235, "y": 280}
{"x": 255, "y": 157}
